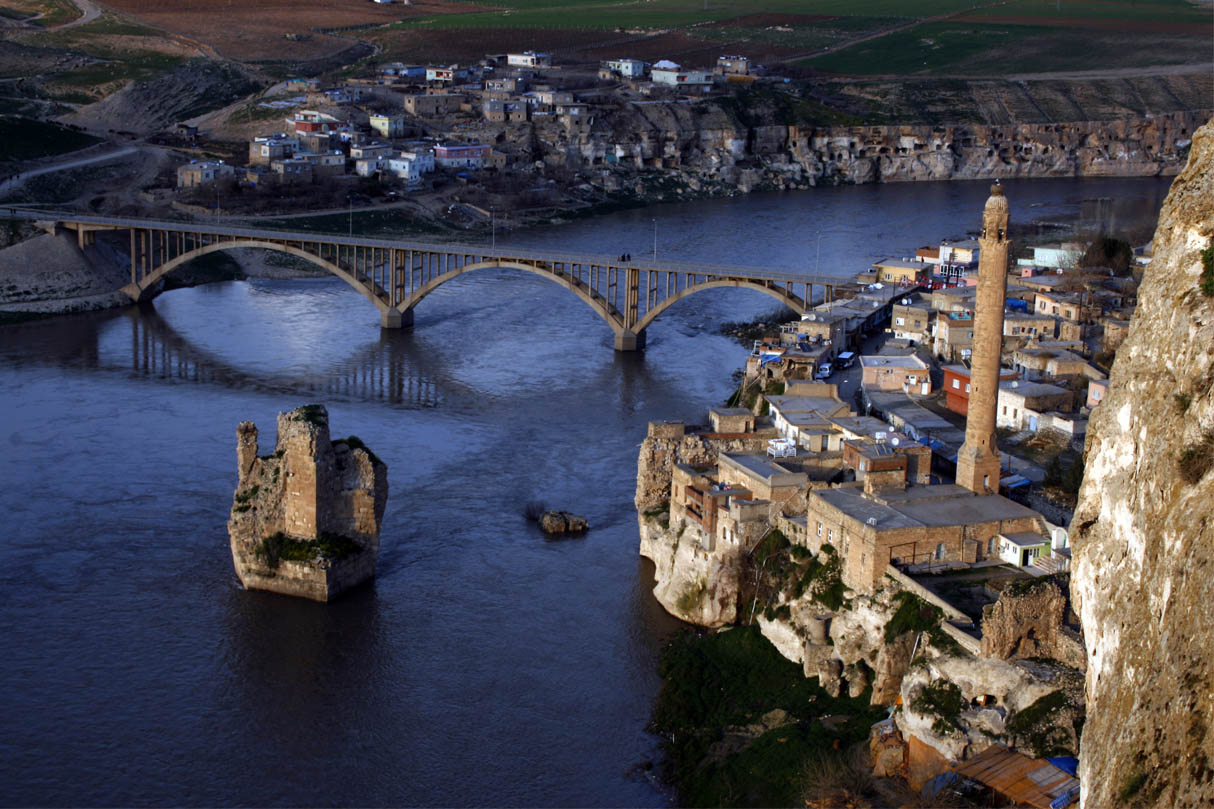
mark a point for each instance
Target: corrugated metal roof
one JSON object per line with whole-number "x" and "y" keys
{"x": 1017, "y": 776}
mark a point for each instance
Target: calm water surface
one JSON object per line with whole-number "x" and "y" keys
{"x": 486, "y": 665}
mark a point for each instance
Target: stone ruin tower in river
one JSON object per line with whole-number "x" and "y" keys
{"x": 978, "y": 462}
{"x": 305, "y": 519}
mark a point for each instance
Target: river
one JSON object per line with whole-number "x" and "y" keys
{"x": 486, "y": 665}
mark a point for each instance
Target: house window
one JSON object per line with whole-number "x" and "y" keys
{"x": 956, "y": 383}
{"x": 940, "y": 552}
{"x": 967, "y": 387}
{"x": 830, "y": 535}
{"x": 819, "y": 529}
{"x": 990, "y": 546}
{"x": 899, "y": 321}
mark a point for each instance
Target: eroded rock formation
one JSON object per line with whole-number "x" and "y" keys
{"x": 305, "y": 519}
{"x": 1143, "y": 530}
{"x": 1029, "y": 621}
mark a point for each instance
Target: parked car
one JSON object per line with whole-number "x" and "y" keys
{"x": 824, "y": 371}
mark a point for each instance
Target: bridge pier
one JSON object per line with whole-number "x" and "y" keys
{"x": 395, "y": 319}
{"x": 629, "y": 341}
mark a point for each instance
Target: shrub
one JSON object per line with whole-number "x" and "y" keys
{"x": 1197, "y": 459}
{"x": 942, "y": 699}
{"x": 354, "y": 442}
{"x": 1207, "y": 271}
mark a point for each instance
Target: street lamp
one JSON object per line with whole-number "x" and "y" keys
{"x": 493, "y": 228}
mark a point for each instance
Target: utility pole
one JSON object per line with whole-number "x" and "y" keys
{"x": 350, "y": 200}
{"x": 655, "y": 241}
{"x": 493, "y": 228}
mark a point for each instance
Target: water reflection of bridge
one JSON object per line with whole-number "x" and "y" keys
{"x": 387, "y": 370}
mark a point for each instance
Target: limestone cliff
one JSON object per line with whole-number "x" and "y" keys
{"x": 305, "y": 520}
{"x": 1144, "y": 528}
{"x": 667, "y": 444}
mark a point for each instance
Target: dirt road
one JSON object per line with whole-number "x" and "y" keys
{"x": 17, "y": 180}
{"x": 88, "y": 13}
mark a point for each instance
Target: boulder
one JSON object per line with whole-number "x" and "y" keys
{"x": 562, "y": 522}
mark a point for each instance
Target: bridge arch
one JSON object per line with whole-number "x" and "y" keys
{"x": 608, "y": 313}
{"x": 791, "y": 300}
{"x": 137, "y": 289}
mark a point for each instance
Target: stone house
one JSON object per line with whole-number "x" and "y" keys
{"x": 1035, "y": 363}
{"x": 943, "y": 524}
{"x": 426, "y": 105}
{"x": 891, "y": 462}
{"x": 911, "y": 319}
{"x": 388, "y": 126}
{"x": 1067, "y": 305}
{"x": 292, "y": 170}
{"x": 732, "y": 420}
{"x": 1115, "y": 332}
{"x": 954, "y": 337}
{"x": 203, "y": 172}
{"x": 882, "y": 372}
{"x": 266, "y": 149}
{"x": 1028, "y": 325}
{"x": 328, "y": 164}
{"x": 953, "y": 299}
{"x": 1022, "y": 404}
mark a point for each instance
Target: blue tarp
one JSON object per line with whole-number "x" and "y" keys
{"x": 933, "y": 787}
{"x": 1068, "y": 764}
{"x": 1065, "y": 799}
{"x": 1015, "y": 482}
{"x": 1017, "y": 305}
{"x": 766, "y": 358}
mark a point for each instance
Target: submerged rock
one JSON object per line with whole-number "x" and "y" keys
{"x": 305, "y": 520}
{"x": 562, "y": 522}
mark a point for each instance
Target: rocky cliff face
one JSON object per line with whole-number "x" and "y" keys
{"x": 1144, "y": 529}
{"x": 305, "y": 520}
{"x": 711, "y": 145}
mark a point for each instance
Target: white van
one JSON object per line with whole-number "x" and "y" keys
{"x": 846, "y": 359}
{"x": 824, "y": 371}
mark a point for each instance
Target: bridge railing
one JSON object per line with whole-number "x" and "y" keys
{"x": 482, "y": 251}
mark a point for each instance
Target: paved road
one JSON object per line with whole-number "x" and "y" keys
{"x": 88, "y": 13}
{"x": 16, "y": 181}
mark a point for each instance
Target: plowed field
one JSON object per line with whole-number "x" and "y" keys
{"x": 248, "y": 31}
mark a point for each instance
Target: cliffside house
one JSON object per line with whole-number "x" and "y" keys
{"x": 957, "y": 386}
{"x": 307, "y": 122}
{"x": 426, "y": 105}
{"x": 765, "y": 478}
{"x": 731, "y": 420}
{"x": 886, "y": 373}
{"x": 728, "y": 517}
{"x": 204, "y": 172}
{"x": 944, "y": 524}
{"x": 1115, "y": 332}
{"x": 1021, "y": 404}
{"x": 1036, "y": 363}
{"x": 669, "y": 74}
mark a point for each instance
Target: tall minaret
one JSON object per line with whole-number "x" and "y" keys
{"x": 978, "y": 461}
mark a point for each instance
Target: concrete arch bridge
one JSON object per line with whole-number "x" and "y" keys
{"x": 397, "y": 275}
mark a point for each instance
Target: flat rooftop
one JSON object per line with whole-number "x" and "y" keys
{"x": 759, "y": 466}
{"x": 923, "y": 506}
{"x": 730, "y": 411}
{"x": 1026, "y": 539}
{"x": 892, "y": 361}
{"x": 825, "y": 405}
{"x": 1029, "y": 389}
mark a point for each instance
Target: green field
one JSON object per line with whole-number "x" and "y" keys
{"x": 961, "y": 48}
{"x": 27, "y": 139}
{"x": 1166, "y": 10}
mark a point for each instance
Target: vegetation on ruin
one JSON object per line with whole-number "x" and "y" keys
{"x": 313, "y": 414}
{"x": 1108, "y": 252}
{"x": 712, "y": 683}
{"x": 354, "y": 442}
{"x": 279, "y": 547}
{"x": 941, "y": 699}
{"x": 243, "y": 500}
{"x": 913, "y": 615}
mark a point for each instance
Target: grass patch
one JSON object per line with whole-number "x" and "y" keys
{"x": 28, "y": 139}
{"x": 279, "y": 547}
{"x": 913, "y": 615}
{"x": 711, "y": 682}
{"x": 691, "y": 597}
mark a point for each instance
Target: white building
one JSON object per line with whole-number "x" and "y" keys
{"x": 529, "y": 59}
{"x": 628, "y": 68}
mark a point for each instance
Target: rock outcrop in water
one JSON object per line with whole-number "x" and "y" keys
{"x": 305, "y": 520}
{"x": 1144, "y": 528}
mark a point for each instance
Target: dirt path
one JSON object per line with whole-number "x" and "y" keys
{"x": 88, "y": 13}
{"x": 17, "y": 180}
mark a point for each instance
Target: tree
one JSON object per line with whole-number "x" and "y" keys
{"x": 1107, "y": 251}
